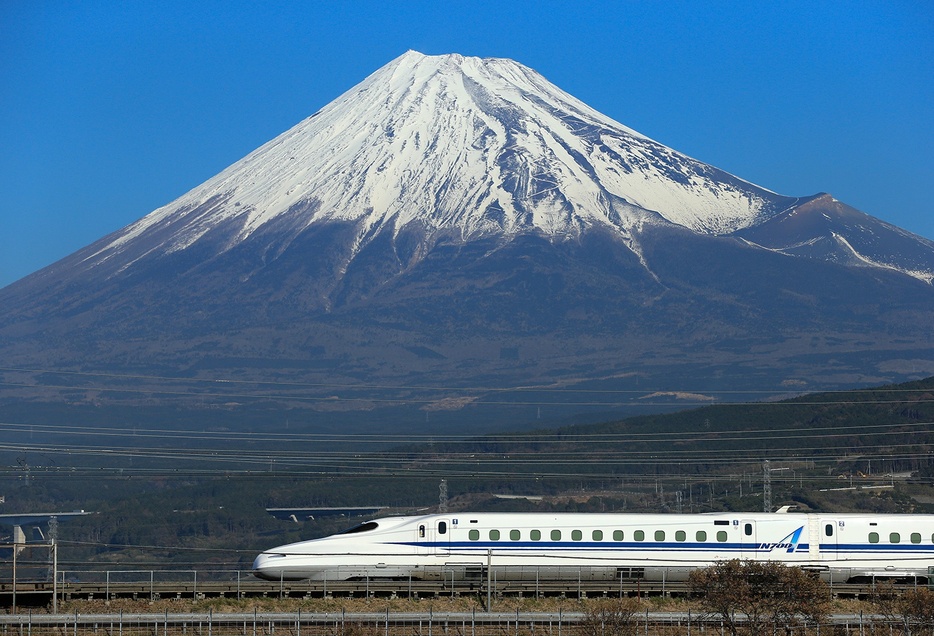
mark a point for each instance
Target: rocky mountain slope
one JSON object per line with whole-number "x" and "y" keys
{"x": 459, "y": 235}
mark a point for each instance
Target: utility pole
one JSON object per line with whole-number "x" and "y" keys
{"x": 766, "y": 487}
{"x": 443, "y": 498}
{"x": 53, "y": 561}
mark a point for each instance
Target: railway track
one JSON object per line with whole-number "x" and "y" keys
{"x": 420, "y": 623}
{"x": 40, "y": 594}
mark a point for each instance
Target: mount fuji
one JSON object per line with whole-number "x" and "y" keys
{"x": 459, "y": 236}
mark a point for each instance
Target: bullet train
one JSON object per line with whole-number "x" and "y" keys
{"x": 464, "y": 545}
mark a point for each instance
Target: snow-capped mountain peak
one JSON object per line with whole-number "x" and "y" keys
{"x": 461, "y": 222}
{"x": 469, "y": 146}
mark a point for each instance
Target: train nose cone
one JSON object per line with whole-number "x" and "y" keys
{"x": 263, "y": 568}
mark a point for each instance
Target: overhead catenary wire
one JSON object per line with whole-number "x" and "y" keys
{"x": 288, "y": 446}
{"x": 562, "y": 437}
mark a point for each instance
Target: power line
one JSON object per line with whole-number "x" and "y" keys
{"x": 561, "y": 438}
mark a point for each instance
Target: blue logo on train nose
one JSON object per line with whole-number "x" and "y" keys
{"x": 789, "y": 542}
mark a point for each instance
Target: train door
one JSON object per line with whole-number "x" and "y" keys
{"x": 749, "y": 545}
{"x": 442, "y": 536}
{"x": 422, "y": 539}
{"x": 829, "y": 532}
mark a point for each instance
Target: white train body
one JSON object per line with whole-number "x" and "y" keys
{"x": 842, "y": 547}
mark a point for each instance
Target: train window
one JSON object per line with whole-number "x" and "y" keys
{"x": 873, "y": 537}
{"x": 915, "y": 537}
{"x": 494, "y": 535}
{"x": 721, "y": 536}
{"x": 828, "y": 529}
{"x": 681, "y": 535}
{"x": 894, "y": 537}
{"x": 421, "y": 532}
{"x": 638, "y": 535}
{"x": 576, "y": 535}
{"x": 363, "y": 527}
{"x": 555, "y": 535}
{"x": 701, "y": 536}
{"x": 747, "y": 529}
{"x": 474, "y": 534}
{"x": 442, "y": 527}
{"x": 617, "y": 535}
{"x": 514, "y": 535}
{"x": 659, "y": 535}
{"x": 598, "y": 535}
{"x": 535, "y": 535}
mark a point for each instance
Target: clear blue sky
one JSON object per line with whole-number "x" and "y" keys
{"x": 110, "y": 109}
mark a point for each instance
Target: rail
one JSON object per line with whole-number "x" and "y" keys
{"x": 154, "y": 585}
{"x": 387, "y": 623}
{"x": 197, "y": 584}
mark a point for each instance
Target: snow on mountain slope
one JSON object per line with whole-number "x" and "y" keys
{"x": 823, "y": 228}
{"x": 470, "y": 146}
{"x": 460, "y": 222}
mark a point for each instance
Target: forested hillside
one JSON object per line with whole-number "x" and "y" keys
{"x": 859, "y": 450}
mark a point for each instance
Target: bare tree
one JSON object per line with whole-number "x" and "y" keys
{"x": 610, "y": 617}
{"x": 911, "y": 609}
{"x": 748, "y": 595}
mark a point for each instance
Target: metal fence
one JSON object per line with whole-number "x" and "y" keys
{"x": 153, "y": 584}
{"x": 388, "y": 623}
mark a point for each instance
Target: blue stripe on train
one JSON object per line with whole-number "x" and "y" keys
{"x": 664, "y": 546}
